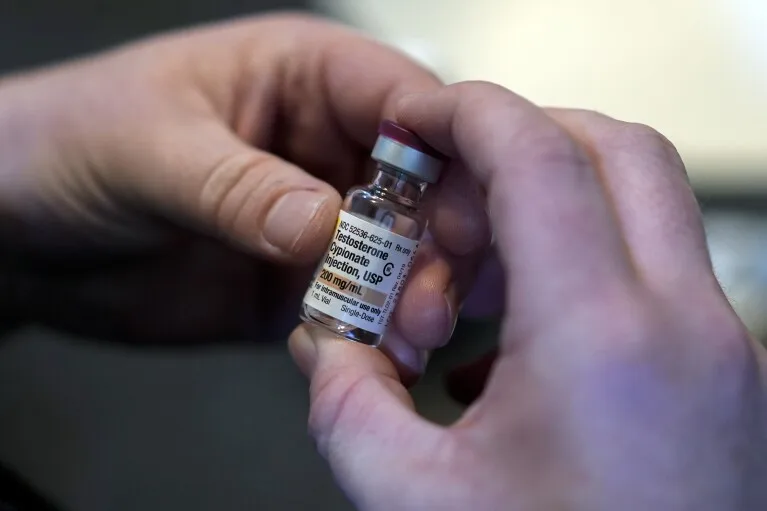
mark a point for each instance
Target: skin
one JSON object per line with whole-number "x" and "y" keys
{"x": 623, "y": 379}
{"x": 156, "y": 192}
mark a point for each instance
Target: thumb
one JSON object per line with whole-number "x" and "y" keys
{"x": 204, "y": 176}
{"x": 362, "y": 417}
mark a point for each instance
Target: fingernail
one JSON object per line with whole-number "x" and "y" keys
{"x": 291, "y": 217}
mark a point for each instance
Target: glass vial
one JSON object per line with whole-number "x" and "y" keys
{"x": 357, "y": 284}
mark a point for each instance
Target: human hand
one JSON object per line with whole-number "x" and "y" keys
{"x": 122, "y": 173}
{"x": 623, "y": 380}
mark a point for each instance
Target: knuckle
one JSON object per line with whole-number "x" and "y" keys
{"x": 476, "y": 102}
{"x": 727, "y": 344}
{"x": 722, "y": 359}
{"x": 553, "y": 147}
{"x": 625, "y": 329}
{"x": 476, "y": 89}
{"x": 713, "y": 349}
{"x": 550, "y": 153}
{"x": 643, "y": 139}
{"x": 233, "y": 184}
{"x": 491, "y": 116}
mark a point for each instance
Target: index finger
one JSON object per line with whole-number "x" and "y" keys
{"x": 555, "y": 230}
{"x": 358, "y": 83}
{"x": 336, "y": 86}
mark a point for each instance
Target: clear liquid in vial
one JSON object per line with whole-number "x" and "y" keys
{"x": 387, "y": 210}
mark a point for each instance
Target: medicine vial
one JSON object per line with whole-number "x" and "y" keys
{"x": 357, "y": 284}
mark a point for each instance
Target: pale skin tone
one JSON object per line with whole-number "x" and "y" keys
{"x": 176, "y": 179}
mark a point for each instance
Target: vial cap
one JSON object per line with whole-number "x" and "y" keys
{"x": 403, "y": 149}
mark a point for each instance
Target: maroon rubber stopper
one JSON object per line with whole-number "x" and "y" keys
{"x": 394, "y": 131}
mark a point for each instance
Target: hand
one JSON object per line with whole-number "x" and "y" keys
{"x": 122, "y": 174}
{"x": 623, "y": 380}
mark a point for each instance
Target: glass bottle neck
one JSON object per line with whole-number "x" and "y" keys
{"x": 392, "y": 181}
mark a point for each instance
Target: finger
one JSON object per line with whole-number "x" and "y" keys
{"x": 362, "y": 80}
{"x": 554, "y": 228}
{"x": 651, "y": 195}
{"x": 361, "y": 416}
{"x": 203, "y": 176}
{"x": 357, "y": 82}
{"x": 460, "y": 237}
{"x": 348, "y": 85}
{"x": 324, "y": 88}
{"x": 409, "y": 361}
{"x": 486, "y": 298}
{"x": 457, "y": 214}
{"x": 428, "y": 306}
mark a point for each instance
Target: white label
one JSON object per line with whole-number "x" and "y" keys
{"x": 362, "y": 275}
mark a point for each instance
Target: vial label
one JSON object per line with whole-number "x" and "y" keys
{"x": 362, "y": 275}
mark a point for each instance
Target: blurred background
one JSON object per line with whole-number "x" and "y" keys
{"x": 96, "y": 426}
